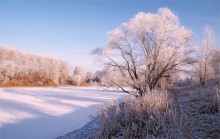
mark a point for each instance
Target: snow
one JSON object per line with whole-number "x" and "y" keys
{"x": 42, "y": 113}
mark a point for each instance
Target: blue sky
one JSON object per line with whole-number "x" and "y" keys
{"x": 70, "y": 29}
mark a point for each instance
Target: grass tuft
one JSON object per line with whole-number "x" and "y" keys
{"x": 151, "y": 116}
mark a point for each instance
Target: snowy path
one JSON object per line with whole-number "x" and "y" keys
{"x": 44, "y": 113}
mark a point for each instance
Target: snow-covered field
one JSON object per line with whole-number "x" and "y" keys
{"x": 45, "y": 113}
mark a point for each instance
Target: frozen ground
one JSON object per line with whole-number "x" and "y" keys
{"x": 45, "y": 113}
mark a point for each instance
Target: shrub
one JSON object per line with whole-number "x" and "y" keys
{"x": 151, "y": 116}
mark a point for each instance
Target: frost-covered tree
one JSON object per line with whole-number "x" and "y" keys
{"x": 79, "y": 70}
{"x": 22, "y": 66}
{"x": 63, "y": 70}
{"x": 90, "y": 77}
{"x": 146, "y": 49}
{"x": 78, "y": 75}
{"x": 77, "y": 80}
{"x": 206, "y": 55}
{"x": 7, "y": 71}
{"x": 98, "y": 76}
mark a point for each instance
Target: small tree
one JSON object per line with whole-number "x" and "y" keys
{"x": 77, "y": 80}
{"x": 7, "y": 71}
{"x": 64, "y": 68}
{"x": 206, "y": 55}
{"x": 144, "y": 50}
{"x": 98, "y": 76}
{"x": 79, "y": 75}
{"x": 90, "y": 77}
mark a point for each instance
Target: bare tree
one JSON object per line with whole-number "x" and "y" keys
{"x": 206, "y": 55}
{"x": 145, "y": 50}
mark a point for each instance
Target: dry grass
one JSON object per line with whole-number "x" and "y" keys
{"x": 208, "y": 98}
{"x": 151, "y": 116}
{"x": 29, "y": 82}
{"x": 203, "y": 111}
{"x": 217, "y": 94}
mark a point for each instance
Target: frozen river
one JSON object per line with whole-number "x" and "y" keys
{"x": 45, "y": 113}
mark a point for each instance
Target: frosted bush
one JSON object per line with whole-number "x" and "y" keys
{"x": 151, "y": 116}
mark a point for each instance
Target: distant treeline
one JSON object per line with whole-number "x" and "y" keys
{"x": 18, "y": 68}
